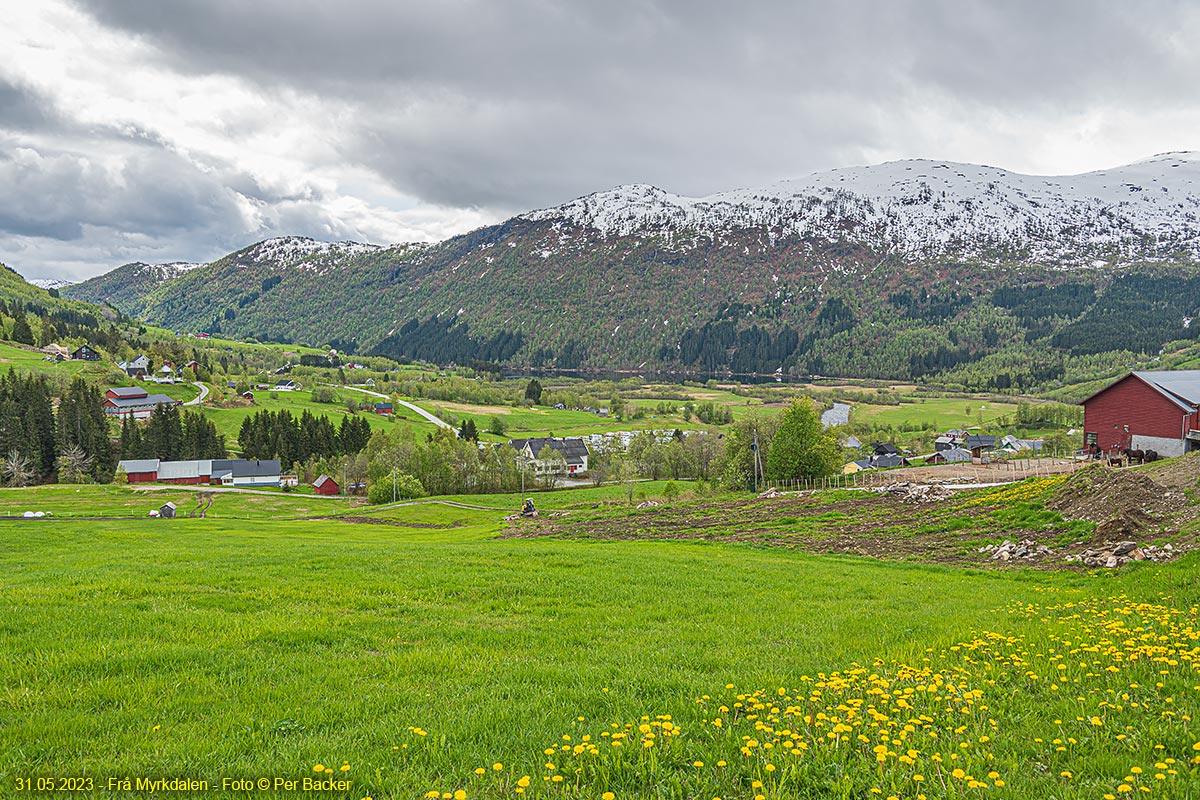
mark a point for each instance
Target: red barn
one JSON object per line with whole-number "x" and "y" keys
{"x": 1146, "y": 411}
{"x": 325, "y": 485}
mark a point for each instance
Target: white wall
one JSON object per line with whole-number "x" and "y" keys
{"x": 1164, "y": 447}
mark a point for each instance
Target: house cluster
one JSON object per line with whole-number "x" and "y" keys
{"x": 133, "y": 401}
{"x": 574, "y": 452}
{"x": 56, "y": 352}
{"x": 884, "y": 455}
{"x": 951, "y": 447}
{"x": 216, "y": 471}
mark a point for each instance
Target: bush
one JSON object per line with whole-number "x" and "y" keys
{"x": 405, "y": 487}
{"x": 324, "y": 394}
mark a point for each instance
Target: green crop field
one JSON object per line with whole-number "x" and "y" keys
{"x": 423, "y": 654}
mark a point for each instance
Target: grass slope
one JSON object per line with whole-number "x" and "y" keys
{"x": 210, "y": 648}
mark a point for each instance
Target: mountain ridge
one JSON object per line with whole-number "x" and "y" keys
{"x": 897, "y": 270}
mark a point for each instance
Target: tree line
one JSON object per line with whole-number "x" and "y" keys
{"x": 291, "y": 439}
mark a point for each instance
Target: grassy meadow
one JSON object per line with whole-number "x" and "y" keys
{"x": 423, "y": 654}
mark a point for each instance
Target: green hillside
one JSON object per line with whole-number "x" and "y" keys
{"x": 526, "y": 293}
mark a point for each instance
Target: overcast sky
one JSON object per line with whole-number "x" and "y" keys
{"x": 179, "y": 131}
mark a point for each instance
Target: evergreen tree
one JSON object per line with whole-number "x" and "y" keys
{"x": 21, "y": 332}
{"x": 533, "y": 391}
{"x": 82, "y": 422}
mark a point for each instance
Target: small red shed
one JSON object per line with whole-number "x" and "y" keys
{"x": 325, "y": 485}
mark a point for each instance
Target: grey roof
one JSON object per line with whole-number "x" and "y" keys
{"x": 177, "y": 470}
{"x": 865, "y": 463}
{"x": 142, "y": 402}
{"x": 954, "y": 455}
{"x": 128, "y": 391}
{"x": 977, "y": 440}
{"x": 241, "y": 468}
{"x": 139, "y": 465}
{"x": 573, "y": 450}
{"x": 323, "y": 479}
{"x": 888, "y": 461}
{"x": 1183, "y": 384}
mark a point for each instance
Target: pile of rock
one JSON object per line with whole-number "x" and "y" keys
{"x": 1026, "y": 549}
{"x": 1114, "y": 555}
{"x": 916, "y": 492}
{"x": 649, "y": 504}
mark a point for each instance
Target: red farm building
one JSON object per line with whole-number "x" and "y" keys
{"x": 1157, "y": 411}
{"x": 325, "y": 485}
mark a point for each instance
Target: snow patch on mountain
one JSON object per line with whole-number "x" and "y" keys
{"x": 1146, "y": 210}
{"x": 50, "y": 283}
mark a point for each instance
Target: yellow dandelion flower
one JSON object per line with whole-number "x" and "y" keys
{"x": 459, "y": 794}
{"x": 319, "y": 768}
{"x": 608, "y": 796}
{"x": 497, "y": 766}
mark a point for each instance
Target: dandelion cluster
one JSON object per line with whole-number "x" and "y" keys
{"x": 1093, "y": 698}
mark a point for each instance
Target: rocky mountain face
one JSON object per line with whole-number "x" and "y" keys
{"x": 896, "y": 270}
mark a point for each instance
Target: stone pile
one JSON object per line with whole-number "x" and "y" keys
{"x": 1114, "y": 555}
{"x": 916, "y": 492}
{"x": 1026, "y": 549}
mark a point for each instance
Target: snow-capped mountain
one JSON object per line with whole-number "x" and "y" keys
{"x": 897, "y": 270}
{"x": 50, "y": 283}
{"x": 1146, "y": 210}
{"x": 287, "y": 251}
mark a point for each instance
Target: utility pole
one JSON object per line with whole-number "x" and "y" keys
{"x": 754, "y": 451}
{"x": 394, "y": 487}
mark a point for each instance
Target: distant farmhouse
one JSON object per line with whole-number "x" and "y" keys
{"x": 217, "y": 471}
{"x": 133, "y": 401}
{"x": 136, "y": 368}
{"x": 85, "y": 353}
{"x": 574, "y": 452}
{"x": 1157, "y": 411}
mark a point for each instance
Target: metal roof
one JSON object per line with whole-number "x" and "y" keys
{"x": 1184, "y": 384}
{"x": 128, "y": 391}
{"x": 178, "y": 470}
{"x": 241, "y": 468}
{"x": 141, "y": 402}
{"x": 139, "y": 465}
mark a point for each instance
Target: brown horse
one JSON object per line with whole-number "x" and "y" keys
{"x": 1134, "y": 455}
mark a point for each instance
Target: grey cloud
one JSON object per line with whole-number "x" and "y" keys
{"x": 512, "y": 105}
{"x": 22, "y": 109}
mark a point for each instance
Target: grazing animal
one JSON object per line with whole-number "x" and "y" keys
{"x": 1134, "y": 455}
{"x": 1116, "y": 461}
{"x": 1151, "y": 455}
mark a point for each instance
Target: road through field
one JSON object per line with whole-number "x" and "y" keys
{"x": 441, "y": 423}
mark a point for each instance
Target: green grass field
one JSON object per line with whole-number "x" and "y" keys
{"x": 417, "y": 652}
{"x": 31, "y": 360}
{"x": 229, "y": 420}
{"x": 66, "y": 501}
{"x": 942, "y": 413}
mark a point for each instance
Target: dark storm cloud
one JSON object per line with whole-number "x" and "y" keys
{"x": 519, "y": 104}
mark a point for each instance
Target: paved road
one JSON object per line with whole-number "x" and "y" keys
{"x": 199, "y": 398}
{"x": 441, "y": 423}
